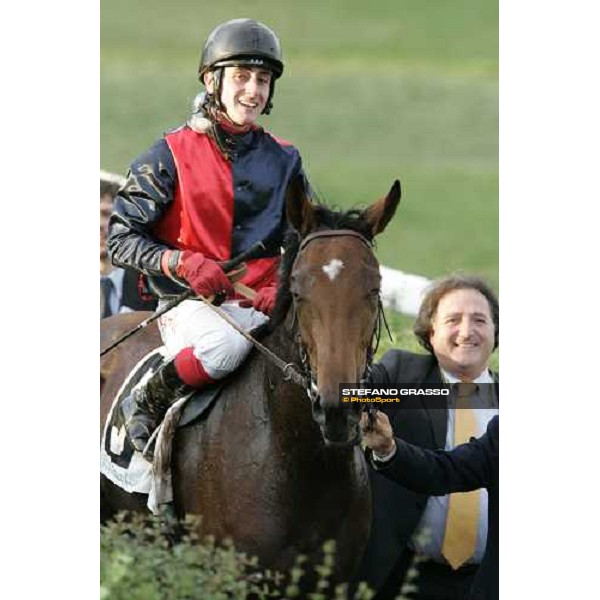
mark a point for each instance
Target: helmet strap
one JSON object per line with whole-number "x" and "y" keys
{"x": 218, "y": 87}
{"x": 212, "y": 101}
{"x": 269, "y": 105}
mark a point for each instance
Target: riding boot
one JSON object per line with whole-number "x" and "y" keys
{"x": 143, "y": 410}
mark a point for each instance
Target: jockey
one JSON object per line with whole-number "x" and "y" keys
{"x": 202, "y": 194}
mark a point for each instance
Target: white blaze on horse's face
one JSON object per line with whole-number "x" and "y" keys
{"x": 333, "y": 268}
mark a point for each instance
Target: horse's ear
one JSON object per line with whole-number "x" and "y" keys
{"x": 300, "y": 210}
{"x": 380, "y": 213}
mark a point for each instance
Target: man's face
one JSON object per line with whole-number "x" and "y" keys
{"x": 462, "y": 333}
{"x": 244, "y": 93}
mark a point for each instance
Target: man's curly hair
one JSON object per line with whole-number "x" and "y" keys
{"x": 437, "y": 290}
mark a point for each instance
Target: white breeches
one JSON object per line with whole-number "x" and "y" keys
{"x": 217, "y": 345}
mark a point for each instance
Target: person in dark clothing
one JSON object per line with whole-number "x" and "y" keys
{"x": 458, "y": 325}
{"x": 465, "y": 468}
{"x": 119, "y": 288}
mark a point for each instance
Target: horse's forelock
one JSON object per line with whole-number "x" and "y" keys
{"x": 328, "y": 218}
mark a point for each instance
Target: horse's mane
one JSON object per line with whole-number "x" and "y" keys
{"x": 324, "y": 218}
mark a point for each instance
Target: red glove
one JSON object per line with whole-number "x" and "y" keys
{"x": 263, "y": 301}
{"x": 204, "y": 275}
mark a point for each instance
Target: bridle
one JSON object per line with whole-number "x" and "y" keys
{"x": 307, "y": 372}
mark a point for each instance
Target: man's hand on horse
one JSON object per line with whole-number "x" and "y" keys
{"x": 204, "y": 275}
{"x": 377, "y": 433}
{"x": 264, "y": 301}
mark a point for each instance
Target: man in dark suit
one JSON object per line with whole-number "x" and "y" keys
{"x": 119, "y": 292}
{"x": 119, "y": 288}
{"x": 465, "y": 468}
{"x": 458, "y": 325}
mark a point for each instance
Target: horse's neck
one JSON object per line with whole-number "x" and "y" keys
{"x": 282, "y": 341}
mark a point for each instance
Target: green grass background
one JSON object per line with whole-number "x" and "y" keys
{"x": 372, "y": 91}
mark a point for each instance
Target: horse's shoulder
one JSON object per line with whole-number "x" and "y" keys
{"x": 117, "y": 325}
{"x": 123, "y": 357}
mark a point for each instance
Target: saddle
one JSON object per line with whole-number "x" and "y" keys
{"x": 128, "y": 468}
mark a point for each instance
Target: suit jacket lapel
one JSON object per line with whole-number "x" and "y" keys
{"x": 439, "y": 418}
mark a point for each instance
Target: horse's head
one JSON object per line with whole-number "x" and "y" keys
{"x": 335, "y": 285}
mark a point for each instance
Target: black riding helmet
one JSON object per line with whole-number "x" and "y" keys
{"x": 241, "y": 42}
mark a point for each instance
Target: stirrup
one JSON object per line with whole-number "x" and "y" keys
{"x": 137, "y": 416}
{"x": 148, "y": 404}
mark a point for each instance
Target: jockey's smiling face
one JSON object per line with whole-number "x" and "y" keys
{"x": 244, "y": 93}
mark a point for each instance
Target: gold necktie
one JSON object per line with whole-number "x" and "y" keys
{"x": 460, "y": 537}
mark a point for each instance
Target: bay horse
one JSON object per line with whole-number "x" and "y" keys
{"x": 276, "y": 469}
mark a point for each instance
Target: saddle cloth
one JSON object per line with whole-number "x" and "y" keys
{"x": 125, "y": 466}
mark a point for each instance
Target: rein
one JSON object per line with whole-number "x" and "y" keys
{"x": 290, "y": 371}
